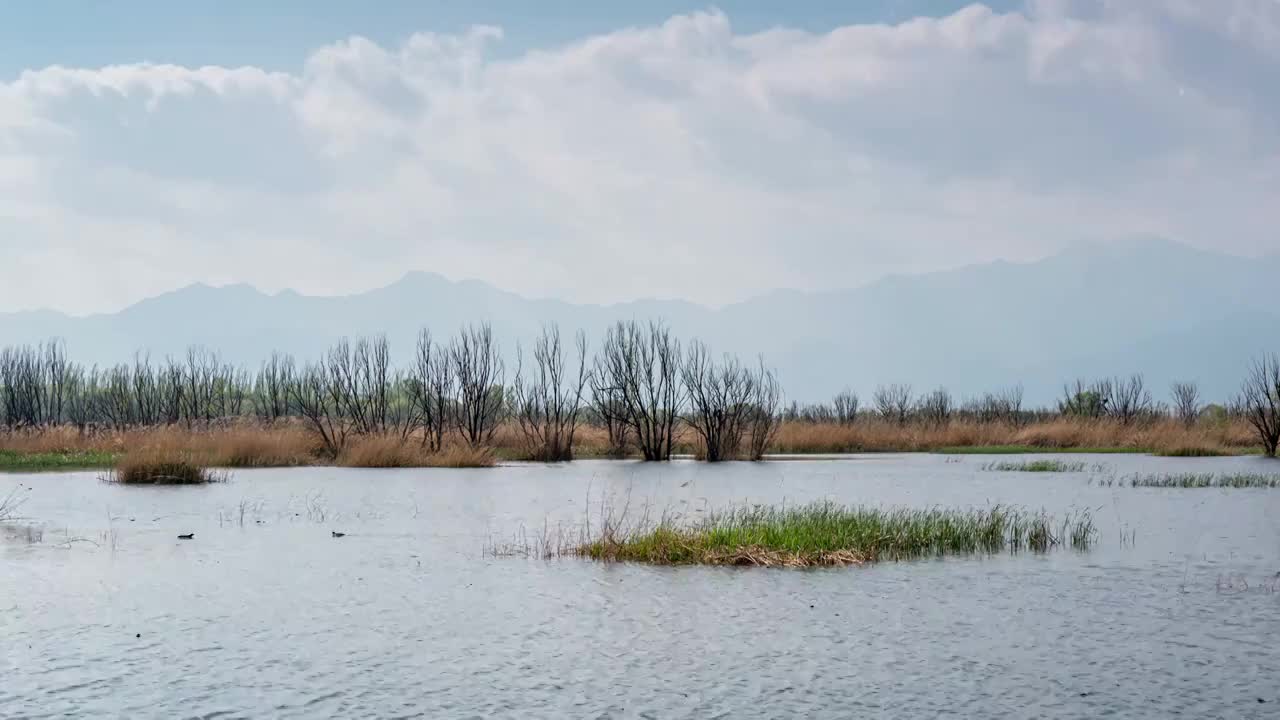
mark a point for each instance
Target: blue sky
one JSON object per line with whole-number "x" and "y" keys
{"x": 277, "y": 34}
{"x": 601, "y": 152}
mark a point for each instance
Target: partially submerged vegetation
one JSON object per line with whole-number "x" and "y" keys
{"x": 820, "y": 534}
{"x": 1193, "y": 480}
{"x": 162, "y": 468}
{"x": 1035, "y": 466}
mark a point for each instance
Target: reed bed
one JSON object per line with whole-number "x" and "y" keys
{"x": 1193, "y": 480}
{"x": 818, "y": 534}
{"x": 290, "y": 443}
{"x": 159, "y": 467}
{"x": 1057, "y": 435}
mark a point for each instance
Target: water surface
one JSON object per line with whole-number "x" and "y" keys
{"x": 104, "y": 612}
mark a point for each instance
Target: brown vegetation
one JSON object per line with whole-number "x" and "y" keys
{"x": 286, "y": 444}
{"x": 1164, "y": 436}
{"x": 162, "y": 467}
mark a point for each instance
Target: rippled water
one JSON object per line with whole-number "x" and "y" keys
{"x": 103, "y": 612}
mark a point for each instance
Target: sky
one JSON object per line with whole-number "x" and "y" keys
{"x": 602, "y": 152}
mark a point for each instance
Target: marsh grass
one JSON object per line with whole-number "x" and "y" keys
{"x": 818, "y": 534}
{"x": 1055, "y": 466}
{"x": 14, "y": 461}
{"x": 1192, "y": 480}
{"x": 1192, "y": 452}
{"x": 162, "y": 468}
{"x": 1033, "y": 450}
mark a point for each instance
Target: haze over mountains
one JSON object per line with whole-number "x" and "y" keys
{"x": 1167, "y": 310}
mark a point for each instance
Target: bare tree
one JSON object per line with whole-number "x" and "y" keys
{"x": 33, "y": 384}
{"x": 1130, "y": 399}
{"x": 764, "y": 420}
{"x": 893, "y": 402}
{"x": 1259, "y": 401}
{"x": 641, "y": 364}
{"x": 271, "y": 388}
{"x": 1087, "y": 401}
{"x": 312, "y": 393}
{"x": 431, "y": 389}
{"x": 720, "y": 398}
{"x": 936, "y": 407}
{"x": 478, "y": 368}
{"x": 1186, "y": 401}
{"x": 845, "y": 407}
{"x": 546, "y": 404}
{"x": 609, "y": 406}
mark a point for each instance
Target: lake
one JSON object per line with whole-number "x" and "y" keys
{"x": 104, "y": 612}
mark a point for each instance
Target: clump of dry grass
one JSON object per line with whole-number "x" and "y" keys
{"x": 162, "y": 467}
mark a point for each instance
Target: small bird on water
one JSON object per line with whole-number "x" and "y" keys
{"x": 338, "y": 534}
{"x": 188, "y": 536}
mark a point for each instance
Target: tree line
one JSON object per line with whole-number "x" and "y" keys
{"x": 639, "y": 385}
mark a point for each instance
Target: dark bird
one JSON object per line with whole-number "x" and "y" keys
{"x": 188, "y": 536}
{"x": 338, "y": 534}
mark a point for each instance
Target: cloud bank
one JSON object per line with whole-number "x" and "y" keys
{"x": 682, "y": 160}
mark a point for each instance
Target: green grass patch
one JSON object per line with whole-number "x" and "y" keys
{"x": 1038, "y": 466}
{"x": 13, "y": 461}
{"x": 827, "y": 533}
{"x": 1192, "y": 452}
{"x": 1194, "y": 480}
{"x": 1037, "y": 450}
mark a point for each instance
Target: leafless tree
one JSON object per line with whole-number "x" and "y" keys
{"x": 33, "y": 384}
{"x": 271, "y": 388}
{"x": 1259, "y": 401}
{"x": 312, "y": 393}
{"x": 547, "y": 402}
{"x": 1130, "y": 399}
{"x": 200, "y": 386}
{"x": 764, "y": 420}
{"x": 720, "y": 401}
{"x": 609, "y": 407}
{"x": 478, "y": 369}
{"x": 845, "y": 407}
{"x": 1087, "y": 401}
{"x": 431, "y": 389}
{"x": 936, "y": 407}
{"x": 1186, "y": 402}
{"x": 893, "y": 402}
{"x": 641, "y": 365}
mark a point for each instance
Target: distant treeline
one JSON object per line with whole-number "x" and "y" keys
{"x": 639, "y": 385}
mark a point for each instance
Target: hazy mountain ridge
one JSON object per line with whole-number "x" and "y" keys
{"x": 1167, "y": 310}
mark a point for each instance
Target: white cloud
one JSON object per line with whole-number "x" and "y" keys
{"x": 684, "y": 159}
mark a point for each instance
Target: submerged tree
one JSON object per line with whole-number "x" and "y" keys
{"x": 546, "y": 403}
{"x": 764, "y": 419}
{"x": 720, "y": 401}
{"x": 639, "y": 367}
{"x": 1259, "y": 401}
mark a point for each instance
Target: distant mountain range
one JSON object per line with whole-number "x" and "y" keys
{"x": 1167, "y": 310}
